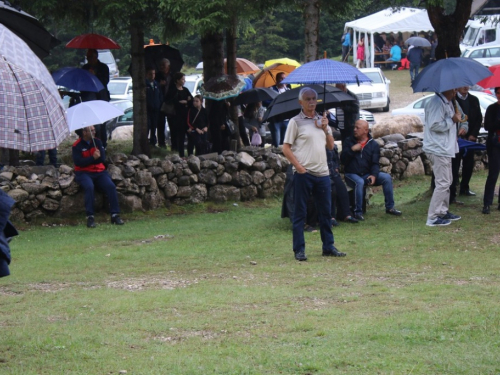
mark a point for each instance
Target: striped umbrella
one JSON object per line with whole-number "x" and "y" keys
{"x": 31, "y": 110}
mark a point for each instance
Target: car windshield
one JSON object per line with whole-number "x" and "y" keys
{"x": 123, "y": 105}
{"x": 117, "y": 88}
{"x": 190, "y": 85}
{"x": 374, "y": 76}
{"x": 470, "y": 36}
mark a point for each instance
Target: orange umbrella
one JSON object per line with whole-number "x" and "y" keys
{"x": 491, "y": 81}
{"x": 243, "y": 66}
{"x": 267, "y": 77}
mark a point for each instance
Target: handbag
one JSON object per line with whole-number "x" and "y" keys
{"x": 230, "y": 126}
{"x": 167, "y": 109}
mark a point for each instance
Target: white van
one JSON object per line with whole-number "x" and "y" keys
{"x": 481, "y": 34}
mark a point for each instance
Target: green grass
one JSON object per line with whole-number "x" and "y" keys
{"x": 220, "y": 293}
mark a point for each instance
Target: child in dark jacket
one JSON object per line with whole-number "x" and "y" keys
{"x": 198, "y": 127}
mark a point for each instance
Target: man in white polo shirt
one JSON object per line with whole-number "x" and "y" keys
{"x": 304, "y": 146}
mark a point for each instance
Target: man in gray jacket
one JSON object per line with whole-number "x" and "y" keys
{"x": 440, "y": 146}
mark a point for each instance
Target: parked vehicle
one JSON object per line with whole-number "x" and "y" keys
{"x": 374, "y": 95}
{"x": 481, "y": 33}
{"x": 120, "y": 88}
{"x": 418, "y": 106}
{"x": 194, "y": 83}
{"x": 363, "y": 115}
{"x": 486, "y": 55}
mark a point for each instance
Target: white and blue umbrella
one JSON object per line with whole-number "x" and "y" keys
{"x": 326, "y": 71}
{"x": 450, "y": 73}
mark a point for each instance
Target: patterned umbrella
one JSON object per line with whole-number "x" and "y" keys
{"x": 31, "y": 109}
{"x": 223, "y": 87}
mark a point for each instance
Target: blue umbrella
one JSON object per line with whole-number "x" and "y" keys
{"x": 467, "y": 146}
{"x": 326, "y": 71}
{"x": 77, "y": 79}
{"x": 450, "y": 73}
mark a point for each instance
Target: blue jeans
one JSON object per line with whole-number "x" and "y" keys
{"x": 40, "y": 157}
{"x": 414, "y": 68}
{"x": 101, "y": 181}
{"x": 358, "y": 183}
{"x": 306, "y": 185}
{"x": 279, "y": 131}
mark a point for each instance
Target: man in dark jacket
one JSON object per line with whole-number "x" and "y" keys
{"x": 153, "y": 102}
{"x": 470, "y": 106}
{"x": 347, "y": 114}
{"x": 415, "y": 56}
{"x": 90, "y": 172}
{"x": 360, "y": 157}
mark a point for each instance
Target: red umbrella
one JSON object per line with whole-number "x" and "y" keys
{"x": 94, "y": 41}
{"x": 491, "y": 81}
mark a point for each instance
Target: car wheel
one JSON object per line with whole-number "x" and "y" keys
{"x": 386, "y": 108}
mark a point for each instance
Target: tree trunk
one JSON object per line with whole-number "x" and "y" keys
{"x": 449, "y": 28}
{"x": 231, "y": 70}
{"x": 138, "y": 73}
{"x": 212, "y": 54}
{"x": 311, "y": 29}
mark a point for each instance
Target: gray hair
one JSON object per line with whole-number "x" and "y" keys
{"x": 165, "y": 62}
{"x": 307, "y": 89}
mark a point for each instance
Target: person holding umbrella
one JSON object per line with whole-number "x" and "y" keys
{"x": 90, "y": 172}
{"x": 305, "y": 137}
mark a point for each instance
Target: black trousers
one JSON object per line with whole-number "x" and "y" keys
{"x": 467, "y": 169}
{"x": 493, "y": 171}
{"x": 340, "y": 198}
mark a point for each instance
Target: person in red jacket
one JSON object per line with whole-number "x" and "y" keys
{"x": 90, "y": 172}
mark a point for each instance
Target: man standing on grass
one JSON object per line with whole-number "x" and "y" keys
{"x": 440, "y": 146}
{"x": 305, "y": 139}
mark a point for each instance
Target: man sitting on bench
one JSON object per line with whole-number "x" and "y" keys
{"x": 395, "y": 54}
{"x": 360, "y": 157}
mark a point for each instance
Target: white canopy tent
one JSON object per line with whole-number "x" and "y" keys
{"x": 390, "y": 20}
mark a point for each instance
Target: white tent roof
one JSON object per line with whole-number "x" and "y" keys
{"x": 393, "y": 20}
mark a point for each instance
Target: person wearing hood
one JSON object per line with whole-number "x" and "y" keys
{"x": 360, "y": 157}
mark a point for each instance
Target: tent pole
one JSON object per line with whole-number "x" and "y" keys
{"x": 372, "y": 51}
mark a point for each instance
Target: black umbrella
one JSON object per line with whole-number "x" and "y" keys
{"x": 153, "y": 54}
{"x": 28, "y": 28}
{"x": 257, "y": 94}
{"x": 286, "y": 105}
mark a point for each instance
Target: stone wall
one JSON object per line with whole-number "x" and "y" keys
{"x": 147, "y": 184}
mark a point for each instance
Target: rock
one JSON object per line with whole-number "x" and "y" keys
{"x": 72, "y": 189}
{"x": 244, "y": 159}
{"x": 387, "y": 153}
{"x": 403, "y": 124}
{"x": 143, "y": 157}
{"x": 119, "y": 158}
{"x": 384, "y": 161}
{"x": 143, "y": 178}
{"x": 269, "y": 173}
{"x": 16, "y": 214}
{"x": 225, "y": 178}
{"x": 193, "y": 179}
{"x": 187, "y": 172}
{"x": 224, "y": 193}
{"x": 198, "y": 193}
{"x": 28, "y": 205}
{"x": 194, "y": 164}
{"x": 209, "y": 164}
{"x": 170, "y": 189}
{"x": 156, "y": 171}
{"x": 34, "y": 188}
{"x": 50, "y": 182}
{"x": 152, "y": 200}
{"x": 55, "y": 194}
{"x": 129, "y": 203}
{"x": 7, "y": 176}
{"x": 380, "y": 142}
{"x": 231, "y": 167}
{"x": 167, "y": 166}
{"x": 241, "y": 178}
{"x": 132, "y": 163}
{"x": 259, "y": 166}
{"x": 399, "y": 167}
{"x": 127, "y": 170}
{"x": 183, "y": 181}
{"x": 393, "y": 138}
{"x": 22, "y": 180}
{"x": 161, "y": 181}
{"x": 184, "y": 192}
{"x": 115, "y": 173}
{"x": 207, "y": 176}
{"x": 50, "y": 204}
{"x": 257, "y": 177}
{"x": 412, "y": 154}
{"x": 122, "y": 133}
{"x": 408, "y": 144}
{"x": 65, "y": 169}
{"x": 174, "y": 159}
{"x": 41, "y": 197}
{"x": 65, "y": 181}
{"x": 274, "y": 162}
{"x": 220, "y": 170}
{"x": 248, "y": 193}
{"x": 391, "y": 145}
{"x": 414, "y": 168}
{"x": 153, "y": 186}
{"x": 71, "y": 205}
{"x": 18, "y": 195}
{"x": 34, "y": 214}
{"x": 279, "y": 181}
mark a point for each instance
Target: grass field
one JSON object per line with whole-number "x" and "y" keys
{"x": 214, "y": 289}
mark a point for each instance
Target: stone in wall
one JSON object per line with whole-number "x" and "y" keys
{"x": 414, "y": 168}
{"x": 223, "y": 193}
{"x": 403, "y": 125}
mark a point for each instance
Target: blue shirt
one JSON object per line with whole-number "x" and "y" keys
{"x": 396, "y": 53}
{"x": 347, "y": 40}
